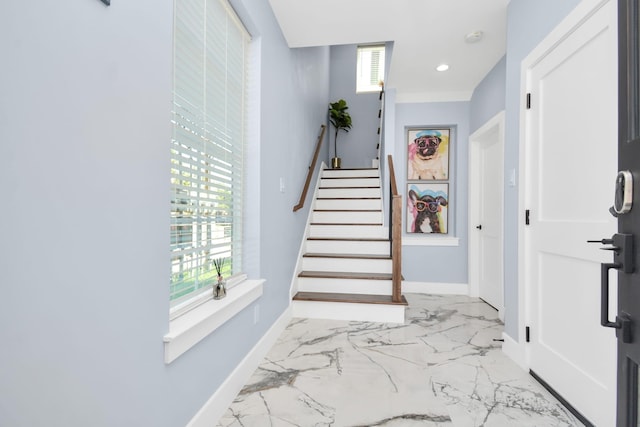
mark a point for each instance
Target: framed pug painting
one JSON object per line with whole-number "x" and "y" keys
{"x": 428, "y": 154}
{"x": 427, "y": 208}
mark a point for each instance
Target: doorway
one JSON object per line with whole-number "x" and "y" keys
{"x": 486, "y": 213}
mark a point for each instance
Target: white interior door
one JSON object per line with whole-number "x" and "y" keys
{"x": 486, "y": 205}
{"x": 571, "y": 158}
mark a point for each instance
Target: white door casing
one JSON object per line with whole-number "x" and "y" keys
{"x": 486, "y": 209}
{"x": 568, "y": 166}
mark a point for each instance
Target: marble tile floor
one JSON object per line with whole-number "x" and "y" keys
{"x": 441, "y": 367}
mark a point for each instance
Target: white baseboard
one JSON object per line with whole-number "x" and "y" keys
{"x": 435, "y": 288}
{"x": 219, "y": 402}
{"x": 515, "y": 351}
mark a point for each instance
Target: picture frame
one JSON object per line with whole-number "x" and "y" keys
{"x": 428, "y": 154}
{"x": 428, "y": 208}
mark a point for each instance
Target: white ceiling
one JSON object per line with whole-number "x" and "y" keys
{"x": 425, "y": 33}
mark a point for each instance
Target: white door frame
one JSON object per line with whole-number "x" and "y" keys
{"x": 494, "y": 125}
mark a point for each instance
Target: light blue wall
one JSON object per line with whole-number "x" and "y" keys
{"x": 440, "y": 264}
{"x": 528, "y": 22}
{"x": 489, "y": 96}
{"x": 357, "y": 147}
{"x": 85, "y": 95}
{"x": 294, "y": 98}
{"x": 84, "y": 127}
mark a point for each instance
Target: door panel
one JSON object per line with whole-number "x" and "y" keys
{"x": 558, "y": 279}
{"x": 491, "y": 165}
{"x": 486, "y": 212}
{"x": 570, "y": 161}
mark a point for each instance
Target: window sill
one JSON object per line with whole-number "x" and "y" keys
{"x": 191, "y": 327}
{"x": 430, "y": 241}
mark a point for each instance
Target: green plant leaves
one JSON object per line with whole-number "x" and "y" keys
{"x": 339, "y": 116}
{"x": 340, "y": 119}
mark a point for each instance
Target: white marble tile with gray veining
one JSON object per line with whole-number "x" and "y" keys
{"x": 442, "y": 367}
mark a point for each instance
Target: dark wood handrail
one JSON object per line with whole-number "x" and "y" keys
{"x": 395, "y": 232}
{"x": 303, "y": 195}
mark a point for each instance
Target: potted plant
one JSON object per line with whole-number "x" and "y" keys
{"x": 341, "y": 120}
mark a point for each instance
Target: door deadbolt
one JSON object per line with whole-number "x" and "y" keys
{"x": 623, "y": 200}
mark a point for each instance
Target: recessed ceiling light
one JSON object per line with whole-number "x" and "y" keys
{"x": 473, "y": 37}
{"x": 442, "y": 67}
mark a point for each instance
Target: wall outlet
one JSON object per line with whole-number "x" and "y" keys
{"x": 282, "y": 185}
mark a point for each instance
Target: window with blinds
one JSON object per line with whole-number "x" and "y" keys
{"x": 207, "y": 145}
{"x": 370, "y": 68}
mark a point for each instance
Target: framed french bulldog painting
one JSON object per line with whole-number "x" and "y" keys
{"x": 427, "y": 208}
{"x": 428, "y": 154}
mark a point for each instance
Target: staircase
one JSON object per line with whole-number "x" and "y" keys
{"x": 346, "y": 267}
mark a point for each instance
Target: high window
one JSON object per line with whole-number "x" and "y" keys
{"x": 207, "y": 146}
{"x": 370, "y": 68}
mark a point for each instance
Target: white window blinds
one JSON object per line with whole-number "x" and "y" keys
{"x": 370, "y": 68}
{"x": 208, "y": 118}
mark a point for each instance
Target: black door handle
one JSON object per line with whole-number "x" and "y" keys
{"x": 622, "y": 323}
{"x": 479, "y": 227}
{"x": 604, "y": 295}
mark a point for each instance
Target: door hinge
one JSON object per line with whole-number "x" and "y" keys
{"x": 528, "y": 101}
{"x": 527, "y": 334}
{"x": 526, "y": 217}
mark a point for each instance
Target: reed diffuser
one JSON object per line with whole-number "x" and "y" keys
{"x": 219, "y": 288}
